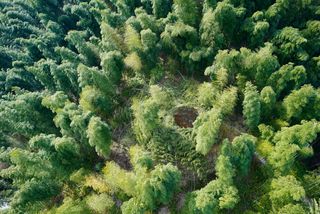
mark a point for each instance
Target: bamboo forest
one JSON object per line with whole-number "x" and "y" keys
{"x": 160, "y": 106}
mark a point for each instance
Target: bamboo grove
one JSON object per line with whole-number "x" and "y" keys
{"x": 160, "y": 106}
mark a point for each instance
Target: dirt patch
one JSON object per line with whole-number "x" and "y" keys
{"x": 3, "y": 165}
{"x": 185, "y": 116}
{"x": 119, "y": 154}
{"x": 164, "y": 210}
{"x": 232, "y": 127}
{"x": 181, "y": 197}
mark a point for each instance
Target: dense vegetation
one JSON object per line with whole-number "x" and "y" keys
{"x": 146, "y": 106}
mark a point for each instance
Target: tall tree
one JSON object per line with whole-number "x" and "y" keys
{"x": 251, "y": 106}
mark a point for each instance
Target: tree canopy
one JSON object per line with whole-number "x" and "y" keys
{"x": 159, "y": 106}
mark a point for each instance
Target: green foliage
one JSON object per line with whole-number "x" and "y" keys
{"x": 211, "y": 35}
{"x": 311, "y": 33}
{"x": 266, "y": 132}
{"x": 148, "y": 39}
{"x": 223, "y": 59}
{"x": 314, "y": 207}
{"x": 70, "y": 119}
{"x": 227, "y": 101}
{"x": 187, "y": 11}
{"x": 36, "y": 173}
{"x": 243, "y": 148}
{"x": 219, "y": 25}
{"x": 311, "y": 182}
{"x": 146, "y": 21}
{"x": 92, "y": 99}
{"x": 146, "y": 113}
{"x": 32, "y": 191}
{"x": 133, "y": 61}
{"x": 238, "y": 65}
{"x": 160, "y": 187}
{"x": 56, "y": 101}
{"x": 292, "y": 208}
{"x": 148, "y": 189}
{"x": 72, "y": 206}
{"x": 268, "y": 101}
{"x": 99, "y": 136}
{"x": 251, "y": 106}
{"x": 221, "y": 193}
{"x": 16, "y": 111}
{"x": 67, "y": 149}
{"x": 69, "y": 68}
{"x": 207, "y": 94}
{"x": 110, "y": 39}
{"x": 286, "y": 190}
{"x": 207, "y": 133}
{"x": 257, "y": 28}
{"x": 161, "y": 8}
{"x": 208, "y": 124}
{"x": 140, "y": 158}
{"x": 42, "y": 72}
{"x": 119, "y": 178}
{"x": 112, "y": 65}
{"x": 266, "y": 64}
{"x": 179, "y": 38}
{"x": 152, "y": 129}
{"x": 291, "y": 141}
{"x": 132, "y": 39}
{"x": 290, "y": 44}
{"x": 302, "y": 104}
{"x": 101, "y": 203}
{"x": 224, "y": 169}
{"x": 88, "y": 51}
{"x": 287, "y": 78}
{"x": 216, "y": 195}
{"x": 93, "y": 77}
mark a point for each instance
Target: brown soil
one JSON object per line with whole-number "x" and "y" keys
{"x": 119, "y": 154}
{"x": 185, "y": 116}
{"x": 3, "y": 165}
{"x": 232, "y": 127}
